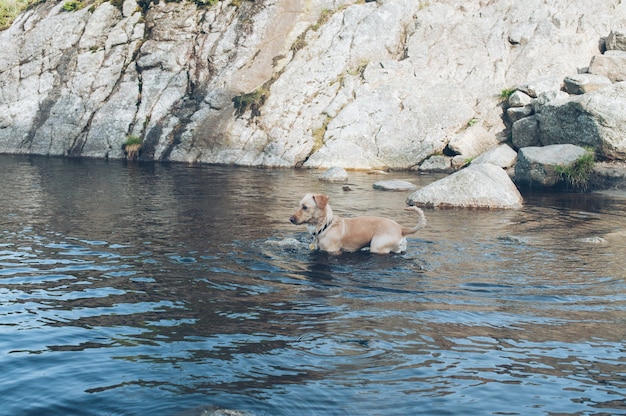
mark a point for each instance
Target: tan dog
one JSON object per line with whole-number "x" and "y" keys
{"x": 335, "y": 234}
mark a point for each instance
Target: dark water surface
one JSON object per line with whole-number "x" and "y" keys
{"x": 159, "y": 290}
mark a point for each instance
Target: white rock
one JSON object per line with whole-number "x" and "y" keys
{"x": 542, "y": 85}
{"x": 334, "y": 174}
{"x": 502, "y": 156}
{"x": 477, "y": 186}
{"x": 520, "y": 99}
{"x": 473, "y": 141}
{"x": 612, "y": 65}
{"x": 437, "y": 163}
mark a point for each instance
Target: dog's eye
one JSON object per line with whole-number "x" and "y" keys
{"x": 304, "y": 207}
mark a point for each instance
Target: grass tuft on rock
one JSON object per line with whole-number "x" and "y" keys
{"x": 506, "y": 93}
{"x": 577, "y": 174}
{"x": 10, "y": 9}
{"x": 132, "y": 146}
{"x": 73, "y": 5}
{"x": 250, "y": 101}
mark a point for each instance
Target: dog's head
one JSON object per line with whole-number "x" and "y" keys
{"x": 314, "y": 209}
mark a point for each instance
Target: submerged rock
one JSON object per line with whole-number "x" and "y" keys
{"x": 477, "y": 186}
{"x": 394, "y": 185}
{"x": 334, "y": 174}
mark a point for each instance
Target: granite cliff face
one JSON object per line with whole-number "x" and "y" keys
{"x": 312, "y": 83}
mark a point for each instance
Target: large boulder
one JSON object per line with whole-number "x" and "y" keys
{"x": 596, "y": 119}
{"x": 538, "y": 166}
{"x": 484, "y": 186}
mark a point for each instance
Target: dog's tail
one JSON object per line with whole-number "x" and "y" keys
{"x": 421, "y": 223}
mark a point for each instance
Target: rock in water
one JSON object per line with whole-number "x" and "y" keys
{"x": 394, "y": 185}
{"x": 537, "y": 166}
{"x": 478, "y": 186}
{"x": 334, "y": 174}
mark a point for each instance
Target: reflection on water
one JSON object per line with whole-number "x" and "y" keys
{"x": 157, "y": 289}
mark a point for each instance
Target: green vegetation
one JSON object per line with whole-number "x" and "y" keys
{"x": 250, "y": 101}
{"x": 73, "y": 5}
{"x": 472, "y": 122}
{"x": 325, "y": 16}
{"x": 577, "y": 174}
{"x": 10, "y": 9}
{"x": 132, "y": 141}
{"x": 132, "y": 146}
{"x": 506, "y": 93}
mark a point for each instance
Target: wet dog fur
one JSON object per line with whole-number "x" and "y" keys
{"x": 335, "y": 234}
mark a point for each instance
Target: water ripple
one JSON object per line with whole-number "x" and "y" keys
{"x": 177, "y": 295}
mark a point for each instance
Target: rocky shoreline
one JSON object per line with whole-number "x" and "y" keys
{"x": 554, "y": 124}
{"x": 401, "y": 85}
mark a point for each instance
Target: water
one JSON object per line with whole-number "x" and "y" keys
{"x": 161, "y": 289}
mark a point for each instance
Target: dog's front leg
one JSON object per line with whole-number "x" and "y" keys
{"x": 334, "y": 249}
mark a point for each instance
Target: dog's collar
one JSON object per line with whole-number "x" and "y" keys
{"x": 321, "y": 230}
{"x": 315, "y": 243}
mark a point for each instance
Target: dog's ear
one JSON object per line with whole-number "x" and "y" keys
{"x": 321, "y": 200}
